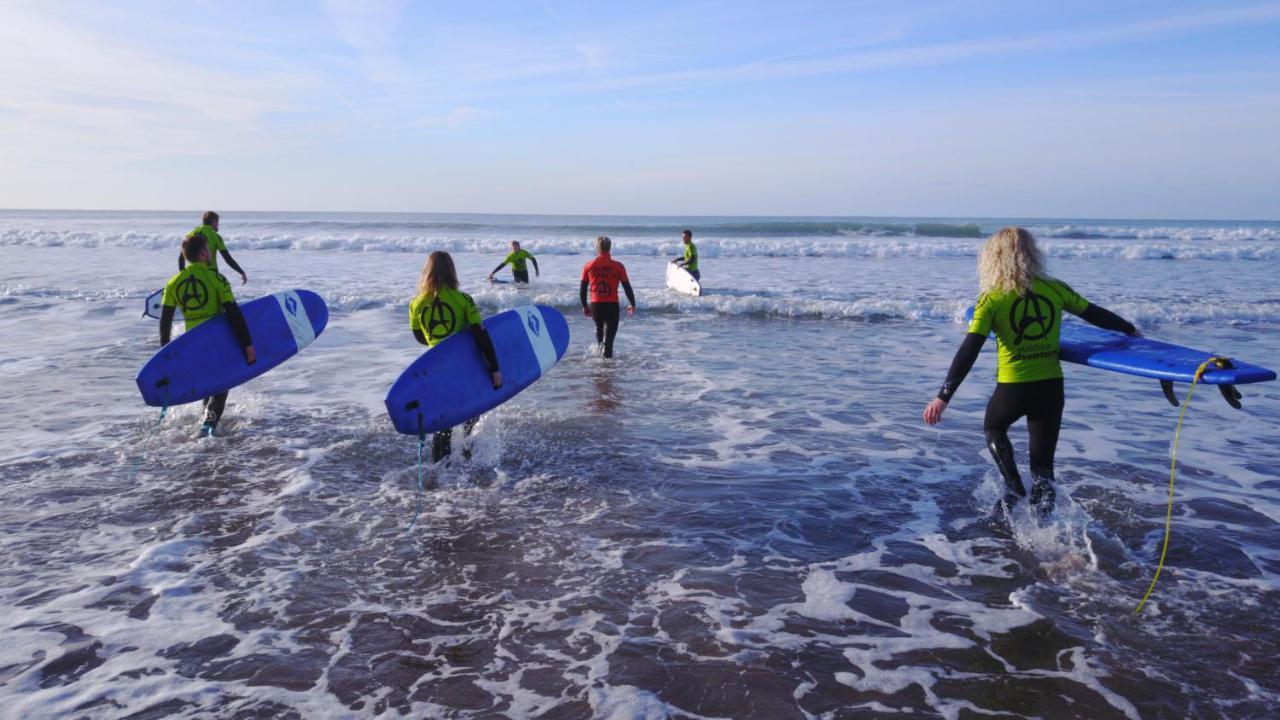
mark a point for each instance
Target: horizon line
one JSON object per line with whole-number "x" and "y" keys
{"x": 974, "y": 218}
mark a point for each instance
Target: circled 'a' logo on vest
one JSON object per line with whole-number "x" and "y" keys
{"x": 532, "y": 321}
{"x": 1031, "y": 317}
{"x": 439, "y": 319}
{"x": 602, "y": 288}
{"x": 192, "y": 293}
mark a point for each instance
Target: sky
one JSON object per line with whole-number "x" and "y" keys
{"x": 1140, "y": 109}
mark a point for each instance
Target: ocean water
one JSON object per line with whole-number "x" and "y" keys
{"x": 741, "y": 516}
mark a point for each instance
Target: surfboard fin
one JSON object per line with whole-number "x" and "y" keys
{"x": 1229, "y": 392}
{"x": 1231, "y": 395}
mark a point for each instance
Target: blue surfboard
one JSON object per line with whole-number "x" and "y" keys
{"x": 449, "y": 384}
{"x": 208, "y": 360}
{"x": 1142, "y": 356}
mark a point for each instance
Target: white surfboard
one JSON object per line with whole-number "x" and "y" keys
{"x": 681, "y": 281}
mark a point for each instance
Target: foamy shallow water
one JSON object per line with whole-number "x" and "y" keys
{"x": 742, "y": 516}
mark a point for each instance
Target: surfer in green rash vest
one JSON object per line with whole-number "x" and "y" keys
{"x": 690, "y": 260}
{"x": 209, "y": 229}
{"x": 519, "y": 269}
{"x": 1023, "y": 306}
{"x": 203, "y": 293}
{"x": 440, "y": 310}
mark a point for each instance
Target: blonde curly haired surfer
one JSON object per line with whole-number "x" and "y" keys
{"x": 1023, "y": 306}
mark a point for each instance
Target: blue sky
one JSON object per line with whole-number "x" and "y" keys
{"x": 960, "y": 109}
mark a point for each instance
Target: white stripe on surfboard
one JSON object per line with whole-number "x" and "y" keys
{"x": 535, "y": 328}
{"x": 295, "y": 313}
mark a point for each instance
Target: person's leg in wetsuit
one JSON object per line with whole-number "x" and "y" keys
{"x": 697, "y": 275}
{"x": 1003, "y": 410}
{"x": 1041, "y": 403}
{"x": 442, "y": 442}
{"x": 606, "y": 315}
{"x": 441, "y": 445}
{"x": 213, "y": 408}
{"x": 1044, "y": 422}
{"x": 520, "y": 276}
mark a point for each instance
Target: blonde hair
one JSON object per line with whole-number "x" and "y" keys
{"x": 1010, "y": 262}
{"x": 603, "y": 243}
{"x": 436, "y": 273}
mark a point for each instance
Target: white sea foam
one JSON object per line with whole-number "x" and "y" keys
{"x": 1166, "y": 244}
{"x": 744, "y": 499}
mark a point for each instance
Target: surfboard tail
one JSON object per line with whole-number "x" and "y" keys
{"x": 1228, "y": 391}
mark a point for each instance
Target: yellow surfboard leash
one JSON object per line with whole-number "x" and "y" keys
{"x": 1173, "y": 468}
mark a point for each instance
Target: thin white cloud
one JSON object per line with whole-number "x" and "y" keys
{"x": 72, "y": 91}
{"x": 455, "y": 118}
{"x": 935, "y": 54}
{"x": 369, "y": 27}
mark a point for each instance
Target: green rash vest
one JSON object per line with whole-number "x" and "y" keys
{"x": 443, "y": 314}
{"x": 691, "y": 257}
{"x": 215, "y": 243}
{"x": 518, "y": 260}
{"x": 1027, "y": 328}
{"x": 199, "y": 290}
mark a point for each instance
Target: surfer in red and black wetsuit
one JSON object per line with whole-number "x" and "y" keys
{"x": 1023, "y": 306}
{"x": 601, "y": 278}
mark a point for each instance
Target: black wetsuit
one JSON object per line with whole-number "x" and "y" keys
{"x": 1041, "y": 402}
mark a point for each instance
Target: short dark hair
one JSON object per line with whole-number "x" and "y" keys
{"x": 210, "y": 217}
{"x": 193, "y": 244}
{"x": 687, "y": 232}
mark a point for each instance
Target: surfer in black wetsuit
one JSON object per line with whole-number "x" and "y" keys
{"x": 203, "y": 293}
{"x": 519, "y": 269}
{"x": 1023, "y": 306}
{"x": 440, "y": 310}
{"x": 690, "y": 259}
{"x": 209, "y": 229}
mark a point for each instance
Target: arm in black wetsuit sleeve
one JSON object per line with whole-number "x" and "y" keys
{"x": 582, "y": 293}
{"x": 1107, "y": 320}
{"x": 231, "y": 261}
{"x": 495, "y": 270}
{"x": 485, "y": 345}
{"x": 417, "y": 335}
{"x": 534, "y": 260}
{"x": 631, "y": 297}
{"x": 961, "y": 364}
{"x": 239, "y": 327}
{"x": 166, "y": 323}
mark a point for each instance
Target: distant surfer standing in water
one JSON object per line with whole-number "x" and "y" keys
{"x": 1023, "y": 305}
{"x": 440, "y": 310}
{"x": 690, "y": 260}
{"x": 601, "y": 277}
{"x": 203, "y": 293}
{"x": 209, "y": 229}
{"x": 519, "y": 269}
